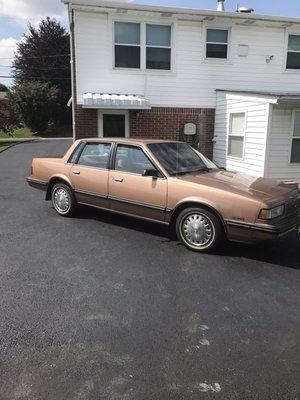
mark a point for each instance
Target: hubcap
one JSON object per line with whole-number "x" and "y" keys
{"x": 61, "y": 200}
{"x": 197, "y": 230}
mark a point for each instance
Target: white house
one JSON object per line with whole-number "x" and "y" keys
{"x": 148, "y": 71}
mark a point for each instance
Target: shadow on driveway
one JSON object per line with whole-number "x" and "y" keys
{"x": 283, "y": 252}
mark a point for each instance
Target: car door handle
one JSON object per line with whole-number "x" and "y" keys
{"x": 75, "y": 172}
{"x": 118, "y": 180}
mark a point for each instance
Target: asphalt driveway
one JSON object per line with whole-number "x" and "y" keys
{"x": 106, "y": 307}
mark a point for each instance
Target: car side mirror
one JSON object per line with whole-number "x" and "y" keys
{"x": 151, "y": 172}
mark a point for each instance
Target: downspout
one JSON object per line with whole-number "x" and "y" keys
{"x": 73, "y": 92}
{"x": 268, "y": 139}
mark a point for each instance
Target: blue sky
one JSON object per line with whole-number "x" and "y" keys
{"x": 15, "y": 15}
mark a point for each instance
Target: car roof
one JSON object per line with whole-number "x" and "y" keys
{"x": 128, "y": 140}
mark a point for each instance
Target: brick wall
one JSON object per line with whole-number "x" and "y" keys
{"x": 86, "y": 122}
{"x": 158, "y": 123}
{"x": 168, "y": 123}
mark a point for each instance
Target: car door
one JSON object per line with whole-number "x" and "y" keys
{"x": 130, "y": 191}
{"x": 89, "y": 174}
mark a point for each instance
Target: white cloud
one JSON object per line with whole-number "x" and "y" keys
{"x": 33, "y": 10}
{"x": 7, "y": 49}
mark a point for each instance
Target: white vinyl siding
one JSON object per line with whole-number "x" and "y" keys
{"x": 256, "y": 122}
{"x": 193, "y": 79}
{"x": 280, "y": 143}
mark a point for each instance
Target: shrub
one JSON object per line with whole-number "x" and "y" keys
{"x": 35, "y": 103}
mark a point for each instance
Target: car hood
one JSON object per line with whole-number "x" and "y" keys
{"x": 237, "y": 182}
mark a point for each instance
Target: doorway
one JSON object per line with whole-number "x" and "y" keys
{"x": 113, "y": 123}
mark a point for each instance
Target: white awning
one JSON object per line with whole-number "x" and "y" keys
{"x": 115, "y": 101}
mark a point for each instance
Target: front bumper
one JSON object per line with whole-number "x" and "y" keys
{"x": 252, "y": 233}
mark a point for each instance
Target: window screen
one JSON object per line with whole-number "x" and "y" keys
{"x": 295, "y": 153}
{"x": 158, "y": 47}
{"x": 293, "y": 55}
{"x": 216, "y": 43}
{"x": 127, "y": 45}
{"x": 236, "y": 136}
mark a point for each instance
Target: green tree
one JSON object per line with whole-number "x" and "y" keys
{"x": 3, "y": 88}
{"x": 8, "y": 121}
{"x": 35, "y": 103}
{"x": 43, "y": 55}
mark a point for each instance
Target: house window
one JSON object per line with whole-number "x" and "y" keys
{"x": 158, "y": 47}
{"x": 216, "y": 43}
{"x": 293, "y": 55}
{"x": 295, "y": 154}
{"x": 127, "y": 45}
{"x": 236, "y": 135}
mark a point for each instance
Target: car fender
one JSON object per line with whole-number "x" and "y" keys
{"x": 197, "y": 200}
{"x": 54, "y": 177}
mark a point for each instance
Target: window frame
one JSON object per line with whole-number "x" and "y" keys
{"x": 205, "y": 42}
{"x": 229, "y": 134}
{"x": 90, "y": 166}
{"x": 143, "y": 46}
{"x": 158, "y": 47}
{"x": 113, "y": 111}
{"x": 124, "y": 44}
{"x": 161, "y": 175}
{"x": 292, "y": 138}
{"x": 288, "y": 34}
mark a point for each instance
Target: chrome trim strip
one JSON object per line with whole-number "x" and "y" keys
{"x": 137, "y": 203}
{"x": 93, "y": 194}
{"x": 115, "y": 198}
{"x": 125, "y": 214}
{"x": 273, "y": 230}
{"x": 248, "y": 226}
{"x": 39, "y": 181}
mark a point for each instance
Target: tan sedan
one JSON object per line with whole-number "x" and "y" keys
{"x": 170, "y": 183}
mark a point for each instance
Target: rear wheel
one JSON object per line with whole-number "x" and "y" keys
{"x": 63, "y": 199}
{"x": 199, "y": 229}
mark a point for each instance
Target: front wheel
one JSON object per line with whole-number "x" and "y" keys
{"x": 63, "y": 199}
{"x": 199, "y": 230}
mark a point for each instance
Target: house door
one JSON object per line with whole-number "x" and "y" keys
{"x": 113, "y": 123}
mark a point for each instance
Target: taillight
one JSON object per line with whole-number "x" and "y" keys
{"x": 31, "y": 170}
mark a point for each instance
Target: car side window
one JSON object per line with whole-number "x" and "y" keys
{"x": 132, "y": 159}
{"x": 95, "y": 155}
{"x": 75, "y": 153}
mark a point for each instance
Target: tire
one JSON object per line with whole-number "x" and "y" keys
{"x": 199, "y": 230}
{"x": 63, "y": 199}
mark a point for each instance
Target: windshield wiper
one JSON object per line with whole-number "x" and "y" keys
{"x": 204, "y": 169}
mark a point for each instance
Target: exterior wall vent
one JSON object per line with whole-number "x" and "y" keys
{"x": 245, "y": 10}
{"x": 220, "y": 6}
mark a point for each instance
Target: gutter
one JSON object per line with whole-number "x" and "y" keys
{"x": 71, "y": 25}
{"x": 170, "y": 11}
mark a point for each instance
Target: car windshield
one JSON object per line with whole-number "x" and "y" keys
{"x": 180, "y": 158}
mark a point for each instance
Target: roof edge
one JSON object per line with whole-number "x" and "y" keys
{"x": 180, "y": 10}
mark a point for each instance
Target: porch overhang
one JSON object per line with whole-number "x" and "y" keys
{"x": 115, "y": 101}
{"x": 287, "y": 98}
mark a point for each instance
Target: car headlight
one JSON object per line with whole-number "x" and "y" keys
{"x": 271, "y": 213}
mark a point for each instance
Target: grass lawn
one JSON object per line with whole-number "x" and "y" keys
{"x": 25, "y": 133}
{"x": 18, "y": 133}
